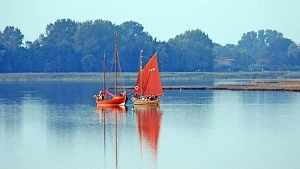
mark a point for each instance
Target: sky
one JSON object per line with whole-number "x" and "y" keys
{"x": 224, "y": 21}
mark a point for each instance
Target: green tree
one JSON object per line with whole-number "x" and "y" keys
{"x": 2, "y": 56}
{"x": 242, "y": 61}
{"x": 293, "y": 54}
{"x": 59, "y": 46}
{"x": 163, "y": 56}
{"x": 221, "y": 52}
{"x": 133, "y": 39}
{"x": 275, "y": 55}
{"x": 191, "y": 51}
{"x": 93, "y": 39}
{"x": 11, "y": 40}
{"x": 252, "y": 42}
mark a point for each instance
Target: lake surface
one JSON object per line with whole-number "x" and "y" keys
{"x": 50, "y": 125}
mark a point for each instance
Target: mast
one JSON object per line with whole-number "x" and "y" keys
{"x": 140, "y": 73}
{"x": 104, "y": 71}
{"x": 116, "y": 58}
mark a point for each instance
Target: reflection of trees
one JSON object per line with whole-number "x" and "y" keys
{"x": 266, "y": 97}
{"x": 62, "y": 102}
{"x": 10, "y": 109}
{"x": 190, "y": 104}
{"x": 192, "y": 97}
{"x": 62, "y": 122}
{"x": 10, "y": 118}
{"x": 61, "y": 93}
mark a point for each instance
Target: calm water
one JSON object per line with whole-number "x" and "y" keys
{"x": 56, "y": 125}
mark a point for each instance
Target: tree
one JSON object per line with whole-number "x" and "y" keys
{"x": 221, "y": 52}
{"x": 191, "y": 51}
{"x": 133, "y": 39}
{"x": 162, "y": 52}
{"x": 2, "y": 56}
{"x": 242, "y": 61}
{"x": 275, "y": 55}
{"x": 93, "y": 39}
{"x": 293, "y": 54}
{"x": 59, "y": 46}
{"x": 252, "y": 42}
{"x": 11, "y": 38}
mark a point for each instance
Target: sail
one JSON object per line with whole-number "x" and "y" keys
{"x": 138, "y": 89}
{"x": 150, "y": 82}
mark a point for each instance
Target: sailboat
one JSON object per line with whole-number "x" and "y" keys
{"x": 102, "y": 99}
{"x": 148, "y": 85}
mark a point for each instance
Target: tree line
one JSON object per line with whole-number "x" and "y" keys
{"x": 69, "y": 46}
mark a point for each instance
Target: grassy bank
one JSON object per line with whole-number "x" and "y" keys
{"x": 132, "y": 76}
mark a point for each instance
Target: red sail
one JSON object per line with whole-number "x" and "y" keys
{"x": 151, "y": 83}
{"x": 138, "y": 89}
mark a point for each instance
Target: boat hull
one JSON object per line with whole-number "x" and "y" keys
{"x": 115, "y": 101}
{"x": 111, "y": 108}
{"x": 146, "y": 102}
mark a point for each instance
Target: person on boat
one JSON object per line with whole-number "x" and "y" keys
{"x": 126, "y": 98}
{"x": 135, "y": 97}
{"x": 101, "y": 95}
{"x": 155, "y": 97}
{"x": 152, "y": 97}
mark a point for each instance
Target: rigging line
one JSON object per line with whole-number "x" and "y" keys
{"x": 131, "y": 93}
{"x": 109, "y": 76}
{"x": 121, "y": 75}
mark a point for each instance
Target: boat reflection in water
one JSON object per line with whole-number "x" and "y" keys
{"x": 111, "y": 115}
{"x": 148, "y": 120}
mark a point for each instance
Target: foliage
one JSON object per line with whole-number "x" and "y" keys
{"x": 69, "y": 46}
{"x": 262, "y": 50}
{"x": 191, "y": 51}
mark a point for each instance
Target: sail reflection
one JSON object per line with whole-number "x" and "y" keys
{"x": 148, "y": 123}
{"x": 111, "y": 115}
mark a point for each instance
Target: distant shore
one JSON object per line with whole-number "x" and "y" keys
{"x": 7, "y": 77}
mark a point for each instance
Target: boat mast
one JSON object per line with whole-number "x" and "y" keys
{"x": 104, "y": 71}
{"x": 140, "y": 73}
{"x": 116, "y": 59}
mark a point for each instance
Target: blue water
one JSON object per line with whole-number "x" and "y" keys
{"x": 56, "y": 125}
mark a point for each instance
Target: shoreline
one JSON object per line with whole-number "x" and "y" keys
{"x": 254, "y": 85}
{"x": 21, "y": 77}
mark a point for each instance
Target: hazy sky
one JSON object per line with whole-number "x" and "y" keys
{"x": 224, "y": 21}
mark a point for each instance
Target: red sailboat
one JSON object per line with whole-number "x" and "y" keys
{"x": 148, "y": 85}
{"x": 105, "y": 98}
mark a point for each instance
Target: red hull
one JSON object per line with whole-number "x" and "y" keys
{"x": 115, "y": 101}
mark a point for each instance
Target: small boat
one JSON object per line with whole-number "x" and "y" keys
{"x": 148, "y": 85}
{"x": 105, "y": 98}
